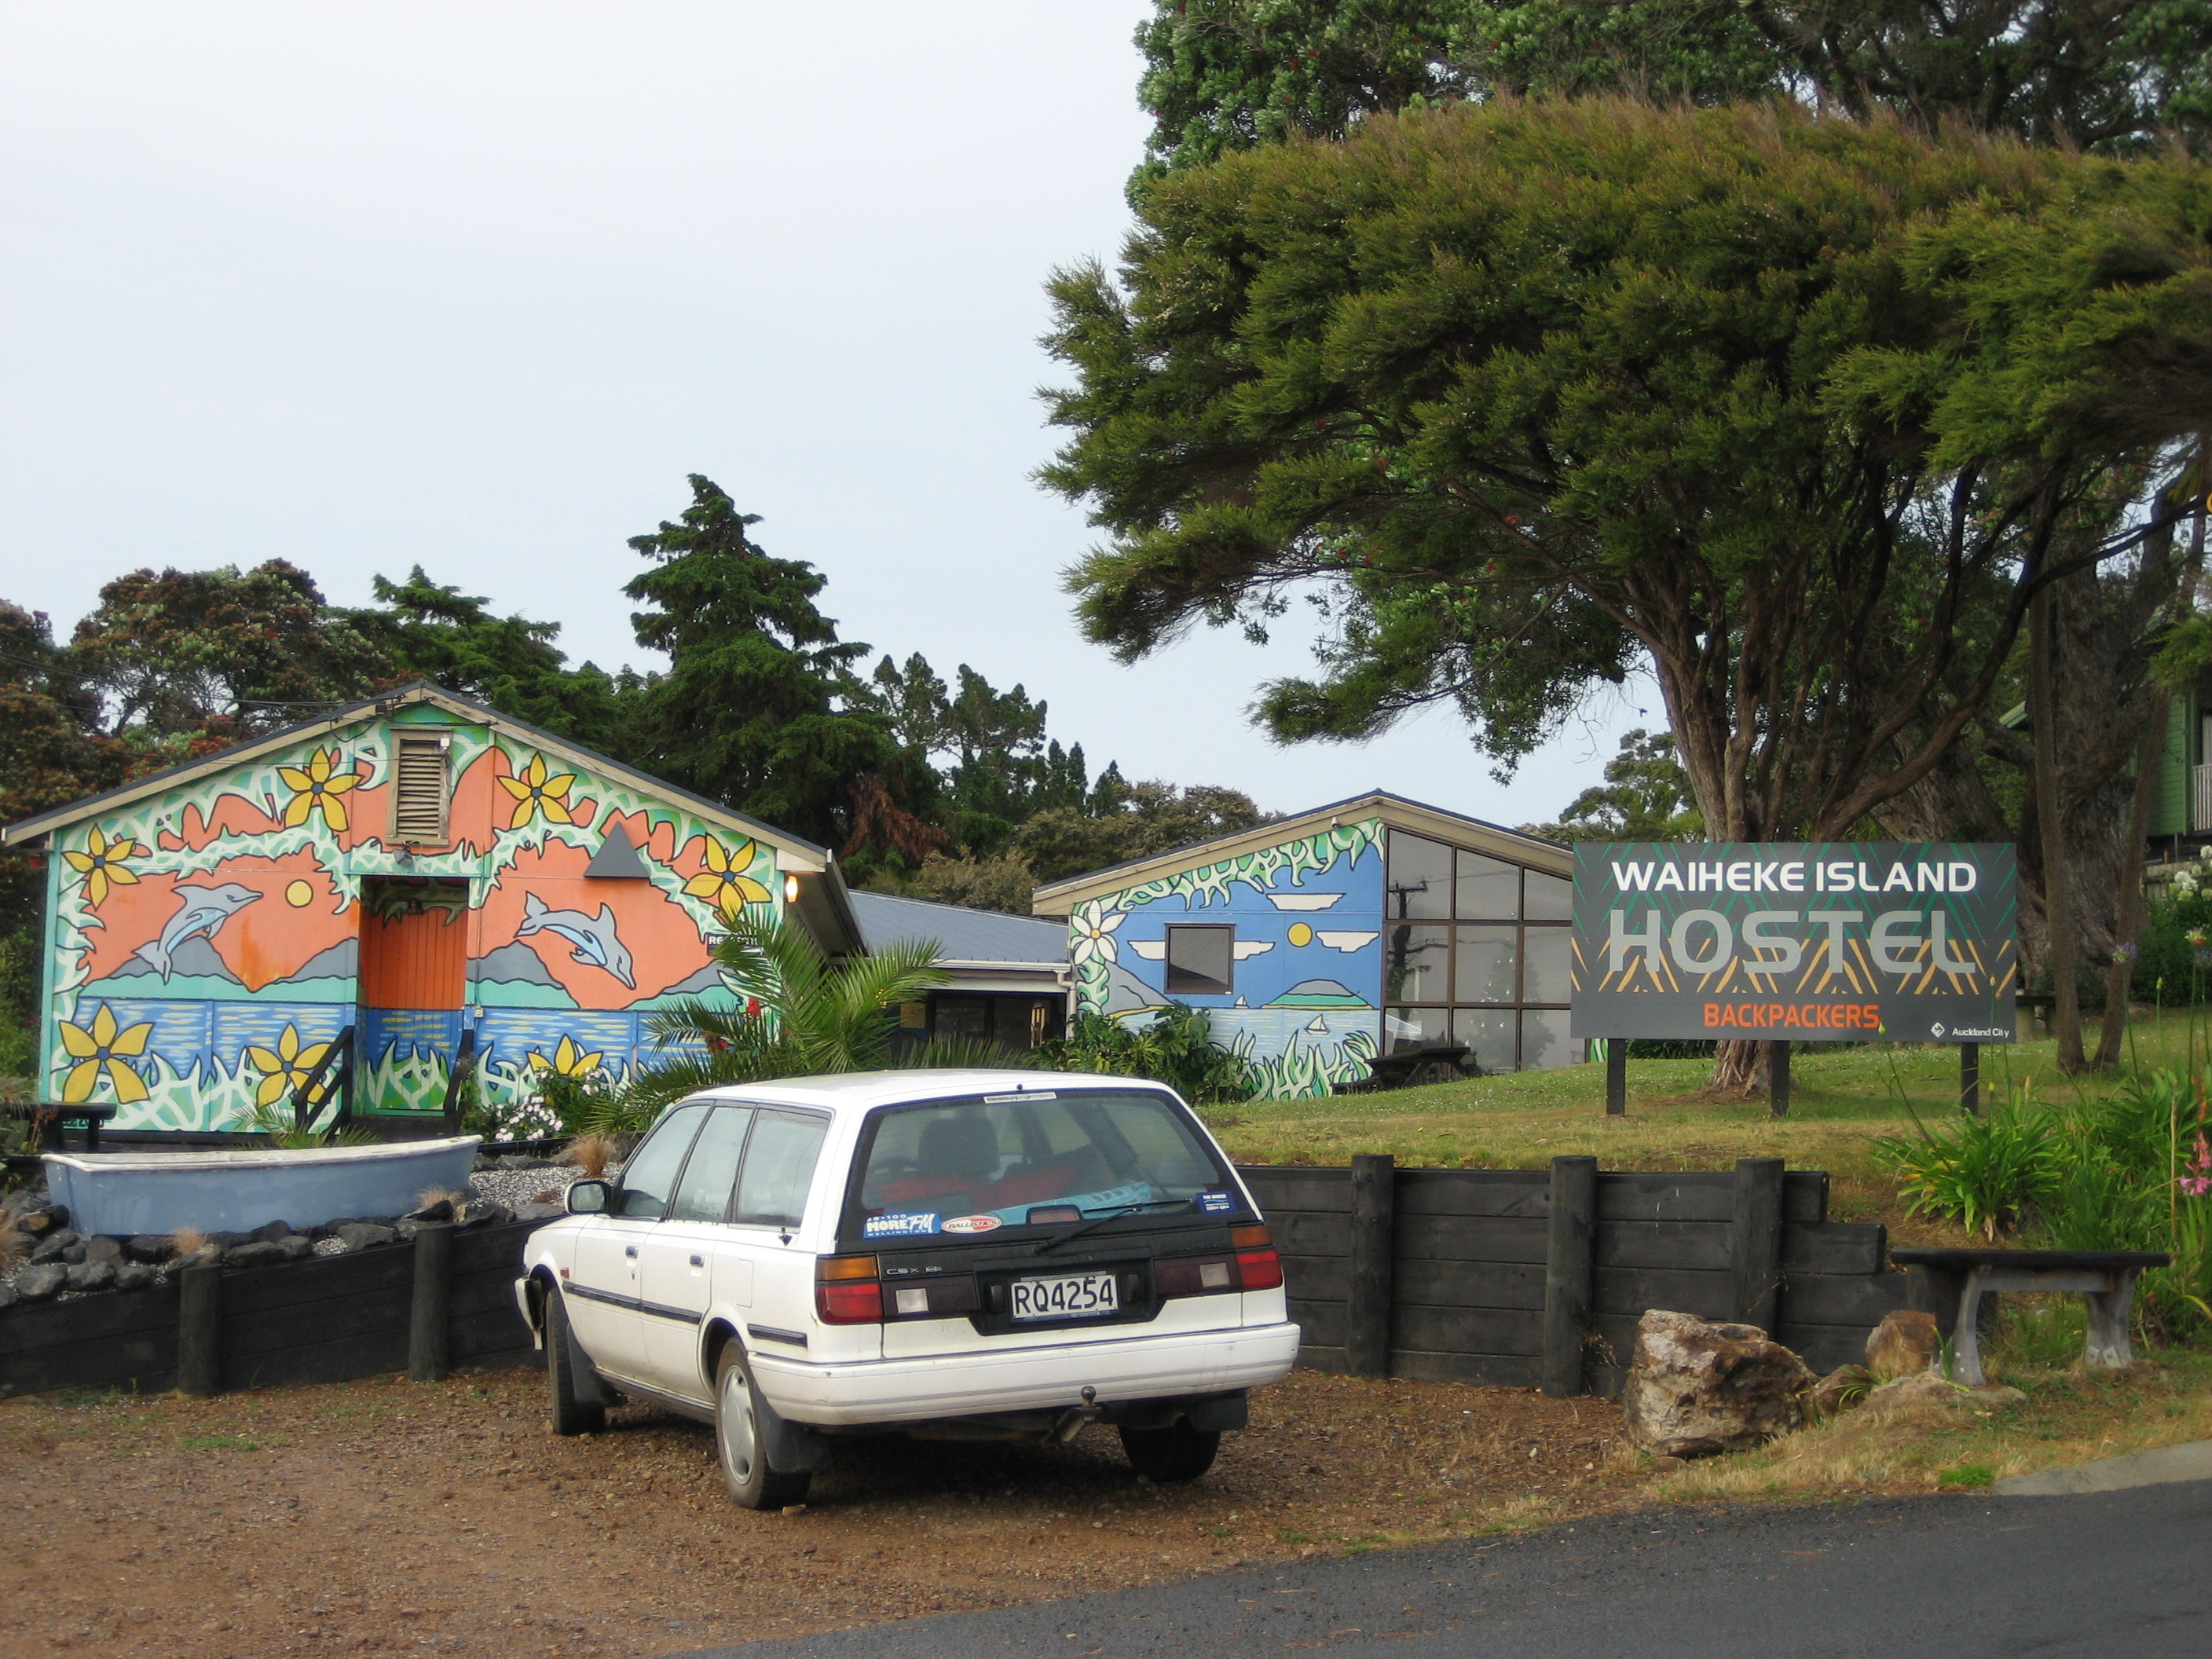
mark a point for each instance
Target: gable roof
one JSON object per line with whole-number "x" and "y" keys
{"x": 962, "y": 935}
{"x": 795, "y": 852}
{"x": 1059, "y": 897}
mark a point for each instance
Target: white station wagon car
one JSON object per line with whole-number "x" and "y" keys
{"x": 956, "y": 1255}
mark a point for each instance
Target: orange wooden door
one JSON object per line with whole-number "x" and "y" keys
{"x": 414, "y": 961}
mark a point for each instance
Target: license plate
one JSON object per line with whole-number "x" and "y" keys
{"x": 1076, "y": 1296}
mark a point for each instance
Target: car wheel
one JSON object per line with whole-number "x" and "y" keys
{"x": 570, "y": 1414}
{"x": 739, "y": 1446}
{"x": 1180, "y": 1452}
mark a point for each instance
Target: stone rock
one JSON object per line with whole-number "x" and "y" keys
{"x": 1905, "y": 1344}
{"x": 7, "y": 1296}
{"x": 1839, "y": 1390}
{"x": 137, "y": 1276}
{"x": 441, "y": 1210}
{"x": 522, "y": 1161}
{"x": 269, "y": 1231}
{"x": 486, "y": 1212}
{"x": 35, "y": 1222}
{"x": 148, "y": 1246}
{"x": 365, "y": 1235}
{"x": 52, "y": 1247}
{"x": 1931, "y": 1397}
{"x": 295, "y": 1247}
{"x": 1697, "y": 1387}
{"x": 258, "y": 1253}
{"x": 230, "y": 1241}
{"x": 207, "y": 1256}
{"x": 539, "y": 1212}
{"x": 330, "y": 1229}
{"x": 378, "y": 1220}
{"x": 74, "y": 1255}
{"x": 42, "y": 1282}
{"x": 88, "y": 1276}
{"x": 59, "y": 1214}
{"x": 104, "y": 1249}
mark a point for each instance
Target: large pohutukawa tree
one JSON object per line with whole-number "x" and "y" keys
{"x": 1521, "y": 396}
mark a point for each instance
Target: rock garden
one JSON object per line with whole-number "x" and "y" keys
{"x": 44, "y": 1259}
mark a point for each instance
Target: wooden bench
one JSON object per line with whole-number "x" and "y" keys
{"x": 2104, "y": 1280}
{"x": 52, "y": 1118}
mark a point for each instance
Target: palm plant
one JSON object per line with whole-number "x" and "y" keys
{"x": 807, "y": 1016}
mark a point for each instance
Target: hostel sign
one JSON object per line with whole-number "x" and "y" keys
{"x": 1796, "y": 942}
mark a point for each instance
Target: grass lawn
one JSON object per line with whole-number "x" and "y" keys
{"x": 1841, "y": 1097}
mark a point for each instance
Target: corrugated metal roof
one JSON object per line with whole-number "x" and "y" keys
{"x": 962, "y": 935}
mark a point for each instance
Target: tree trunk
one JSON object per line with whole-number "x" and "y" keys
{"x": 2057, "y": 877}
{"x": 2127, "y": 924}
{"x": 1739, "y": 1069}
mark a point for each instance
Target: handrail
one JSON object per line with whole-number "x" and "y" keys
{"x": 307, "y": 1099}
{"x": 464, "y": 1065}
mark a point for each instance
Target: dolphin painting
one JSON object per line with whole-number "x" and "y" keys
{"x": 591, "y": 937}
{"x": 202, "y": 913}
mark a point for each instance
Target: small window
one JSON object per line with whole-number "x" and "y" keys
{"x": 778, "y": 1169}
{"x": 1549, "y": 973}
{"x": 1551, "y": 898}
{"x": 652, "y": 1168}
{"x": 712, "y": 1171}
{"x": 419, "y": 787}
{"x": 1201, "y": 961}
{"x": 1486, "y": 967}
{"x": 1416, "y": 962}
{"x": 1420, "y": 878}
{"x": 1489, "y": 889}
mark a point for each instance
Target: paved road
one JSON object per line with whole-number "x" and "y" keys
{"x": 2124, "y": 1575}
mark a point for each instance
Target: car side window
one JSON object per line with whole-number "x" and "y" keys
{"x": 652, "y": 1168}
{"x": 778, "y": 1169}
{"x": 703, "y": 1194}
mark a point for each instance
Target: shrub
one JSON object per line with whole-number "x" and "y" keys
{"x": 1176, "y": 1048}
{"x": 1986, "y": 1172}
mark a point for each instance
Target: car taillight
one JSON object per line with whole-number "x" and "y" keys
{"x": 1258, "y": 1266}
{"x": 1254, "y": 1267}
{"x": 846, "y": 1291}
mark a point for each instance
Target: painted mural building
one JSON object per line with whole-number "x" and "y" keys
{"x": 1320, "y": 941}
{"x": 419, "y": 870}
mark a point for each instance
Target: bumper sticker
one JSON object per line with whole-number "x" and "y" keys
{"x": 918, "y": 1226}
{"x": 974, "y": 1224}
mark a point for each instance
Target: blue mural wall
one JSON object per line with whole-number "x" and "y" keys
{"x": 1306, "y": 956}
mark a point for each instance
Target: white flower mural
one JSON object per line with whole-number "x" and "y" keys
{"x": 1094, "y": 925}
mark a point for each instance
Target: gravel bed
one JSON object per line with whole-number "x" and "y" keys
{"x": 516, "y": 1187}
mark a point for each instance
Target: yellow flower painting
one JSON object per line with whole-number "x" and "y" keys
{"x": 537, "y": 793}
{"x": 724, "y": 883}
{"x": 101, "y": 1047}
{"x": 319, "y": 788}
{"x": 285, "y": 1070}
{"x": 568, "y": 1060}
{"x": 102, "y": 863}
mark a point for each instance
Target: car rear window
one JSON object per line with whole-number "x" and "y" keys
{"x": 976, "y": 1166}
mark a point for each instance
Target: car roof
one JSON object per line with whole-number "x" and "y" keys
{"x": 859, "y": 1091}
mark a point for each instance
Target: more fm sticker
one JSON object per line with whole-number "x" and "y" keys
{"x": 919, "y": 1225}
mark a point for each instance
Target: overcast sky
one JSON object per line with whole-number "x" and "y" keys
{"x": 475, "y": 285}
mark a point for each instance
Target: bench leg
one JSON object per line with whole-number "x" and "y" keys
{"x": 1966, "y": 1334}
{"x": 2108, "y": 1323}
{"x": 91, "y": 1134}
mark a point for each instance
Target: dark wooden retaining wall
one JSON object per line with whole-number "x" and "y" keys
{"x": 1536, "y": 1278}
{"x": 326, "y": 1320}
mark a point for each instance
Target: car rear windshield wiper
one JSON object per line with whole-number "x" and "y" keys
{"x": 1058, "y": 1239}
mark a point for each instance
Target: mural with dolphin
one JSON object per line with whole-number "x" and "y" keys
{"x": 206, "y": 941}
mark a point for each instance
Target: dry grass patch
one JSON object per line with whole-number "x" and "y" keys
{"x": 1895, "y": 1447}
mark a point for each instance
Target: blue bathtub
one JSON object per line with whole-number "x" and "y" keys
{"x": 235, "y": 1192}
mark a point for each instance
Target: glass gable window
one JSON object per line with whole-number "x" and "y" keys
{"x": 1478, "y": 951}
{"x": 1201, "y": 961}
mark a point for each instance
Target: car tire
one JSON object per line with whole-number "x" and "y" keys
{"x": 1179, "y": 1453}
{"x": 570, "y": 1415}
{"x": 739, "y": 1446}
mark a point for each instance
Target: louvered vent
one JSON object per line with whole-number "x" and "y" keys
{"x": 418, "y": 798}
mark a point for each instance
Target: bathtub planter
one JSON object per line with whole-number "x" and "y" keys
{"x": 125, "y": 1193}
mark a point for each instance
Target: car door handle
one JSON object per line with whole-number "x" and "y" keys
{"x": 698, "y": 1261}
{"x": 630, "y": 1250}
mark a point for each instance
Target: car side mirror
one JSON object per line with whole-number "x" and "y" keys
{"x": 590, "y": 1197}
